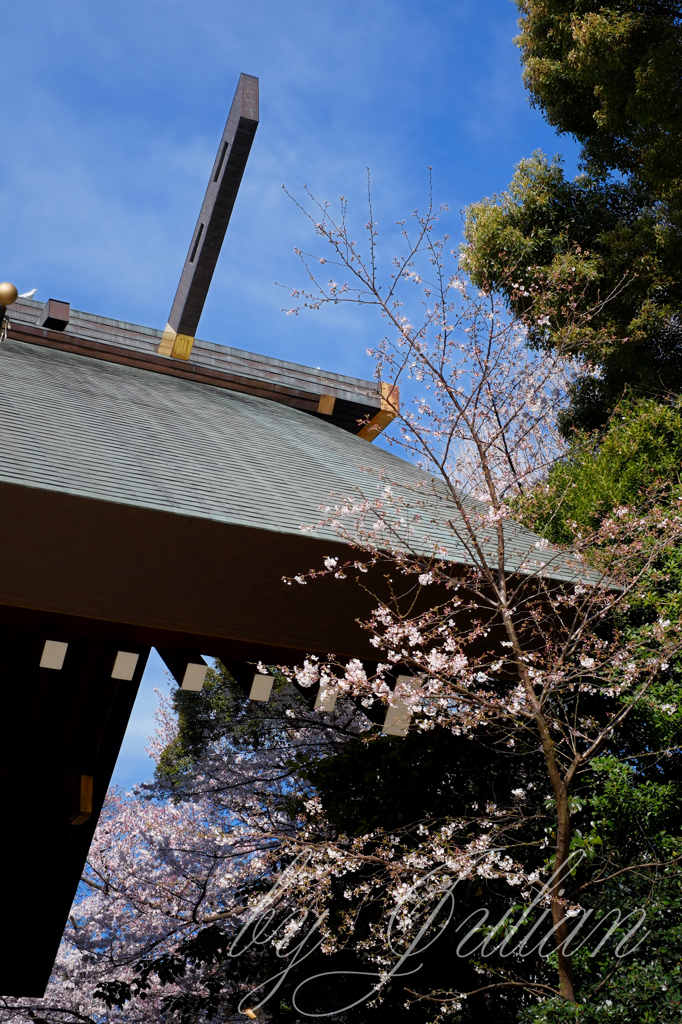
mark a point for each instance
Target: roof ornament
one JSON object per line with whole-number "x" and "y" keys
{"x": 214, "y": 216}
{"x": 8, "y": 295}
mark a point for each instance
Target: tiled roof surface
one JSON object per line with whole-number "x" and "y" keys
{"x": 116, "y": 433}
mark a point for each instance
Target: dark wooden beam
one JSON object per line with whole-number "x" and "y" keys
{"x": 214, "y": 217}
{"x": 60, "y": 733}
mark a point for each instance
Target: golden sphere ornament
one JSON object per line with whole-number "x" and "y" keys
{"x": 8, "y": 294}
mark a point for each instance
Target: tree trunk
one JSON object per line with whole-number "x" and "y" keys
{"x": 561, "y": 874}
{"x": 563, "y": 842}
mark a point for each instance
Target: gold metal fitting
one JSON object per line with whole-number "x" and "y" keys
{"x": 8, "y": 294}
{"x": 177, "y": 346}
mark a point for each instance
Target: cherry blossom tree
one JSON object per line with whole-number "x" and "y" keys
{"x": 527, "y": 641}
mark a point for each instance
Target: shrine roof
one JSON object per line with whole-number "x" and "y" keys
{"x": 116, "y": 433}
{"x": 219, "y": 364}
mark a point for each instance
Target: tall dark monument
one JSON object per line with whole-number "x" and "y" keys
{"x": 216, "y": 210}
{"x": 152, "y": 492}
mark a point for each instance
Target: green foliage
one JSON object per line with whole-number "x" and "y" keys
{"x": 555, "y": 247}
{"x": 610, "y": 74}
{"x": 607, "y": 243}
{"x": 645, "y": 993}
{"x": 386, "y": 783}
{"x": 645, "y": 986}
{"x": 221, "y": 708}
{"x": 635, "y": 809}
{"x": 639, "y": 455}
{"x": 639, "y": 809}
{"x": 634, "y": 795}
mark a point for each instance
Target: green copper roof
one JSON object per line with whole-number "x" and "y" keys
{"x": 120, "y": 434}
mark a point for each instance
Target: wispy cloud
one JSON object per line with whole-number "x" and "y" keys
{"x": 112, "y": 113}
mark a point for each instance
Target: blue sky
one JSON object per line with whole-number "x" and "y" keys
{"x": 111, "y": 117}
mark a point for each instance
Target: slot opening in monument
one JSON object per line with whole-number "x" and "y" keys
{"x": 196, "y": 244}
{"x": 219, "y": 168}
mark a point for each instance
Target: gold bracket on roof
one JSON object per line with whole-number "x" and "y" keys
{"x": 326, "y": 404}
{"x": 390, "y": 407}
{"x": 178, "y": 346}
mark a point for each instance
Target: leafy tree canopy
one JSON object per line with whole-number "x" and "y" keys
{"x": 602, "y": 243}
{"x": 611, "y": 75}
{"x": 635, "y": 802}
{"x": 610, "y": 238}
{"x": 640, "y": 454}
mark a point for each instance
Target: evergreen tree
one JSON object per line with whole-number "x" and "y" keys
{"x": 611, "y": 76}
